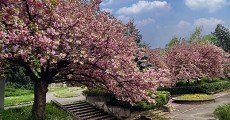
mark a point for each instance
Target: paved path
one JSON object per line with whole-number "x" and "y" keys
{"x": 50, "y": 96}
{"x": 198, "y": 111}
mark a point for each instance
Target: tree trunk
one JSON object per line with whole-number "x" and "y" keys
{"x": 38, "y": 110}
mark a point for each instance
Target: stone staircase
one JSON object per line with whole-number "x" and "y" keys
{"x": 82, "y": 110}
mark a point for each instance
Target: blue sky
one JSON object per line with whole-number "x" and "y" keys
{"x": 160, "y": 20}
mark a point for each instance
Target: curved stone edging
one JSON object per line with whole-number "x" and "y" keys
{"x": 193, "y": 100}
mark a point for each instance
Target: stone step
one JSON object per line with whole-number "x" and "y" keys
{"x": 94, "y": 116}
{"x": 81, "y": 108}
{"x": 76, "y": 104}
{"x": 83, "y": 112}
{"x": 89, "y": 113}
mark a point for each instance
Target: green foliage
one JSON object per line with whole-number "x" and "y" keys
{"x": 210, "y": 39}
{"x": 203, "y": 88}
{"x": 16, "y": 77}
{"x": 133, "y": 30}
{"x": 196, "y": 35}
{"x": 162, "y": 98}
{"x": 24, "y": 113}
{"x": 143, "y": 105}
{"x": 222, "y": 112}
{"x": 202, "y": 81}
{"x": 172, "y": 42}
{"x": 223, "y": 37}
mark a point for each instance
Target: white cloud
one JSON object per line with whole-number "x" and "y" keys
{"x": 107, "y": 10}
{"x": 208, "y": 23}
{"x": 144, "y": 22}
{"x": 106, "y": 2}
{"x": 183, "y": 24}
{"x": 144, "y": 6}
{"x": 184, "y": 28}
{"x": 124, "y": 18}
{"x": 211, "y": 5}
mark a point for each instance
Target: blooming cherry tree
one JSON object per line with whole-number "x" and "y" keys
{"x": 189, "y": 61}
{"x": 72, "y": 40}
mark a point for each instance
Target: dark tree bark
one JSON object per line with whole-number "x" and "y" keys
{"x": 40, "y": 90}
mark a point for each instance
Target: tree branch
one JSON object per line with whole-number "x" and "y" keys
{"x": 3, "y": 3}
{"x": 28, "y": 11}
{"x": 61, "y": 64}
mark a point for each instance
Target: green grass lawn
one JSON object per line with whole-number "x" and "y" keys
{"x": 18, "y": 96}
{"x": 18, "y": 100}
{"x": 24, "y": 113}
{"x": 10, "y": 92}
{"x": 65, "y": 92}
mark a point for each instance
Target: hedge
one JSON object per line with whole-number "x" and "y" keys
{"x": 206, "y": 88}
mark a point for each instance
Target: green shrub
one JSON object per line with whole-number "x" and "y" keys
{"x": 216, "y": 79}
{"x": 227, "y": 79}
{"x": 204, "y": 88}
{"x": 162, "y": 98}
{"x": 180, "y": 83}
{"x": 205, "y": 79}
{"x": 222, "y": 112}
{"x": 143, "y": 105}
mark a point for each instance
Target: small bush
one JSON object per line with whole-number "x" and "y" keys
{"x": 222, "y": 112}
{"x": 162, "y": 98}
